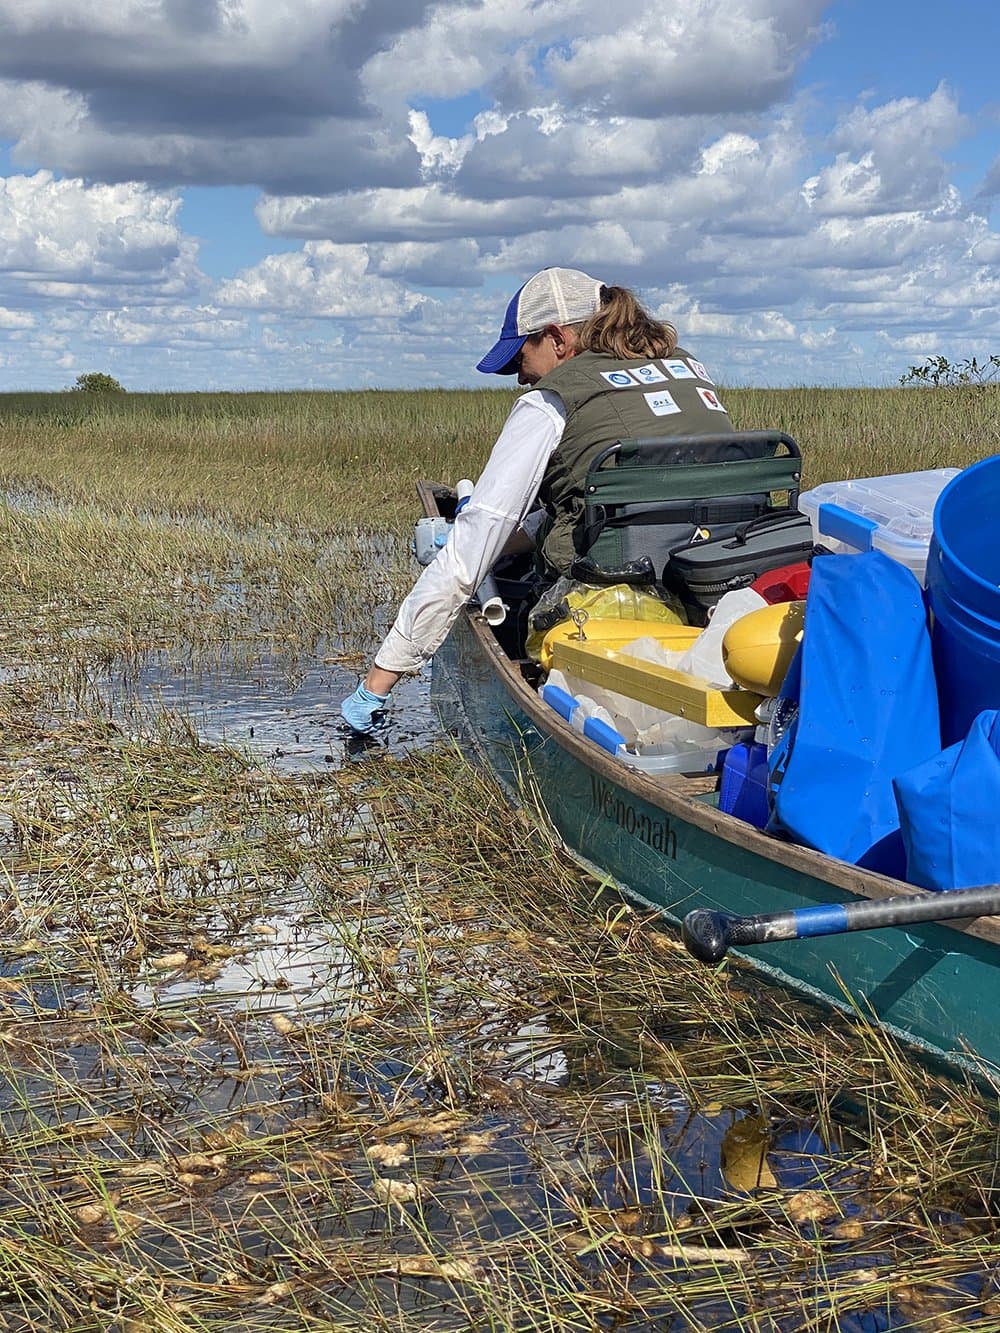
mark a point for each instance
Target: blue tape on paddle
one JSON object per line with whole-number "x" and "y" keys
{"x": 827, "y": 920}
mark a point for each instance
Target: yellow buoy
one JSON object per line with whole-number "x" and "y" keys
{"x": 758, "y": 648}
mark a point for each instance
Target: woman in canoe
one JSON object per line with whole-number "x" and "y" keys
{"x": 601, "y": 369}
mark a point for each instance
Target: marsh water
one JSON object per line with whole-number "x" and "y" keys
{"x": 285, "y": 712}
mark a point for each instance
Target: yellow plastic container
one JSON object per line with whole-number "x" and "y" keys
{"x": 617, "y": 633}
{"x": 758, "y": 648}
{"x": 659, "y": 686}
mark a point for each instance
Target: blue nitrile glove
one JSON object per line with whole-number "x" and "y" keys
{"x": 358, "y": 708}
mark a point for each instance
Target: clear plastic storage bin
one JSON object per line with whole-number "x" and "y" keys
{"x": 678, "y": 761}
{"x": 890, "y": 514}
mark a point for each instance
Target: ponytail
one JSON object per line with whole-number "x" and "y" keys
{"x": 622, "y": 329}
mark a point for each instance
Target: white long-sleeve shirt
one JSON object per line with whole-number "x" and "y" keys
{"x": 504, "y": 493}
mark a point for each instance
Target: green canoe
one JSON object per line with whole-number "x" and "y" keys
{"x": 665, "y": 844}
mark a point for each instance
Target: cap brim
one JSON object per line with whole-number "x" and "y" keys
{"x": 500, "y": 359}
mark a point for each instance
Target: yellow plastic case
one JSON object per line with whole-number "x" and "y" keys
{"x": 659, "y": 686}
{"x": 617, "y": 633}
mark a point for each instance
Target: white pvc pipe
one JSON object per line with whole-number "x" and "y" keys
{"x": 487, "y": 594}
{"x": 493, "y": 608}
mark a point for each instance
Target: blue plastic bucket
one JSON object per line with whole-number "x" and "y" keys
{"x": 963, "y": 585}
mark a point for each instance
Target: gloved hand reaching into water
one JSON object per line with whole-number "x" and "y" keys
{"x": 359, "y": 708}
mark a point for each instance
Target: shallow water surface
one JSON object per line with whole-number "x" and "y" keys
{"x": 284, "y": 713}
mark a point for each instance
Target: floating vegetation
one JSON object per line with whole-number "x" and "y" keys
{"x": 354, "y": 1045}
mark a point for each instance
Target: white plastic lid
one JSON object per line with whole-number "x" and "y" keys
{"x": 901, "y": 504}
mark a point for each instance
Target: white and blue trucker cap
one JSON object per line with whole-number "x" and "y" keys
{"x": 553, "y": 296}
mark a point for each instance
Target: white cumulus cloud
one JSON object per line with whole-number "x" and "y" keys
{"x": 415, "y": 160}
{"x": 70, "y": 232}
{"x": 891, "y": 158}
{"x": 322, "y": 281}
{"x": 706, "y": 55}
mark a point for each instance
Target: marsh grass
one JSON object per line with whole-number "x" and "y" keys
{"x": 331, "y": 460}
{"x": 145, "y": 521}
{"x": 367, "y": 1051}
{"x": 305, "y": 460}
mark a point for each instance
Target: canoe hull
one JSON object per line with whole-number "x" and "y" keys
{"x": 936, "y": 985}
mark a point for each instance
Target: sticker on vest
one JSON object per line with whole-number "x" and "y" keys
{"x": 700, "y": 370}
{"x": 708, "y": 397}
{"x": 648, "y": 374}
{"x": 679, "y": 369}
{"x": 619, "y": 379}
{"x": 661, "y": 404}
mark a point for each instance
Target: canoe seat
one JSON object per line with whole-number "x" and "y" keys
{"x": 646, "y": 497}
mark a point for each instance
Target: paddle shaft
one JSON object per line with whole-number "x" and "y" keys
{"x": 708, "y": 934}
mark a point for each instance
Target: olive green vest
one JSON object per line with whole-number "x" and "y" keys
{"x": 608, "y": 400}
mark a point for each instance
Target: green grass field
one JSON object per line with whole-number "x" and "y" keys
{"x": 141, "y": 507}
{"x": 309, "y": 458}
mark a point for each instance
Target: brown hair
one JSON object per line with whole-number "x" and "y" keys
{"x": 622, "y": 329}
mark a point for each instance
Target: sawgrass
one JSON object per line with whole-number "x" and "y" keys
{"x": 328, "y": 460}
{"x": 288, "y": 516}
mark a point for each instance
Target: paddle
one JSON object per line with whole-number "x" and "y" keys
{"x": 707, "y": 934}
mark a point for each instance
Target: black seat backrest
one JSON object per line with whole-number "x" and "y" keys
{"x": 645, "y": 497}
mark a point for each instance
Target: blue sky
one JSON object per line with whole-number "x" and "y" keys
{"x": 891, "y": 49}
{"x": 343, "y": 193}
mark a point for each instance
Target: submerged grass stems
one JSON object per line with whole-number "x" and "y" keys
{"x": 368, "y": 1051}
{"x": 86, "y": 590}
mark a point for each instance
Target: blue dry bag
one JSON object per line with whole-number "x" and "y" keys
{"x": 948, "y": 811}
{"x": 868, "y": 711}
